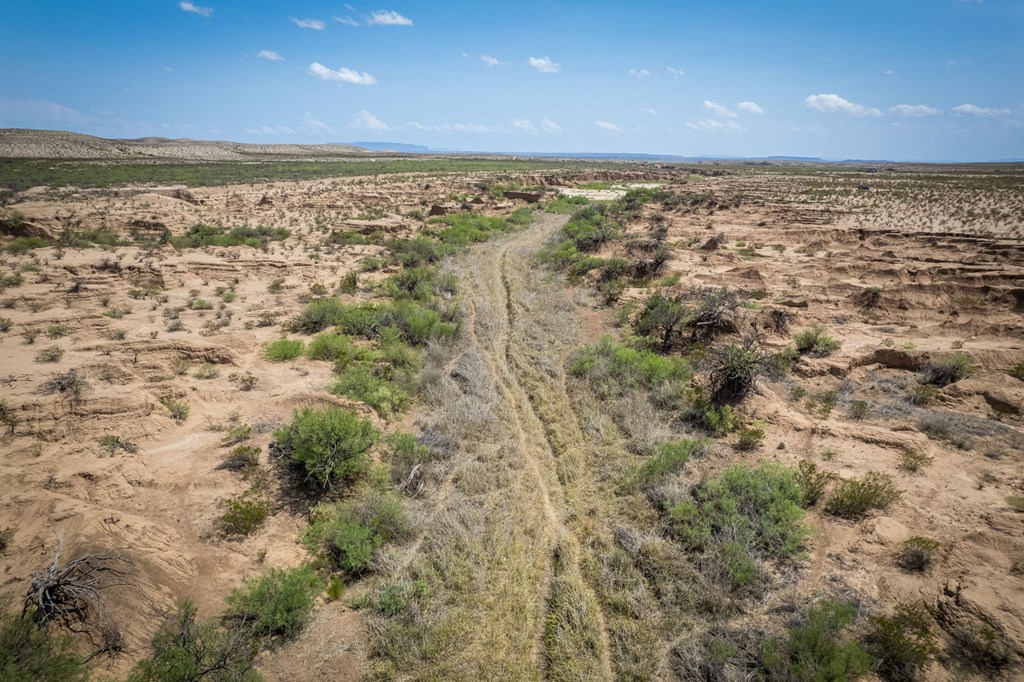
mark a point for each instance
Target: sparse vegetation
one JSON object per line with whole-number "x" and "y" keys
{"x": 283, "y": 350}
{"x": 856, "y": 497}
{"x": 815, "y": 342}
{"x": 917, "y": 554}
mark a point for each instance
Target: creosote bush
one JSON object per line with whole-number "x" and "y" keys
{"x": 903, "y": 644}
{"x": 349, "y": 532}
{"x": 814, "y": 342}
{"x": 812, "y": 482}
{"x": 282, "y": 350}
{"x": 948, "y": 371}
{"x": 331, "y": 443}
{"x": 29, "y": 652}
{"x": 815, "y": 648}
{"x": 917, "y": 553}
{"x": 244, "y": 513}
{"x": 276, "y": 604}
{"x": 854, "y": 498}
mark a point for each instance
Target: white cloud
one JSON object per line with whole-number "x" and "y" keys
{"x": 364, "y": 120}
{"x": 347, "y": 21}
{"x": 610, "y": 127}
{"x": 834, "y": 104}
{"x": 913, "y": 110}
{"x": 491, "y": 61}
{"x": 201, "y": 11}
{"x": 342, "y": 75}
{"x": 385, "y": 18}
{"x": 889, "y": 72}
{"x": 710, "y": 125}
{"x": 750, "y": 107}
{"x": 312, "y": 125}
{"x": 271, "y": 55}
{"x": 550, "y": 126}
{"x": 648, "y": 111}
{"x": 544, "y": 65}
{"x": 676, "y": 73}
{"x": 719, "y": 109}
{"x": 639, "y": 73}
{"x": 271, "y": 130}
{"x": 524, "y": 125}
{"x": 314, "y": 24}
{"x": 467, "y": 128}
{"x": 974, "y": 110}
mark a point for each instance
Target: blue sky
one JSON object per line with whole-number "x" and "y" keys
{"x": 897, "y": 79}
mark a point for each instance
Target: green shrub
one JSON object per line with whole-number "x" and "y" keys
{"x": 750, "y": 439}
{"x": 334, "y": 348}
{"x": 1015, "y": 502}
{"x": 948, "y": 371}
{"x": 661, "y": 320}
{"x": 56, "y": 331}
{"x": 855, "y": 498}
{"x": 1017, "y": 371}
{"x": 814, "y": 649}
{"x": 282, "y": 350}
{"x": 717, "y": 420}
{"x": 418, "y": 251}
{"x": 49, "y": 354}
{"x": 812, "y": 482}
{"x": 22, "y": 245}
{"x": 921, "y": 394}
{"x": 669, "y": 458}
{"x": 917, "y": 553}
{"x": 407, "y": 453}
{"x": 463, "y": 229}
{"x": 9, "y": 281}
{"x": 178, "y": 408}
{"x": 421, "y": 283}
{"x": 208, "y": 235}
{"x": 733, "y": 370}
{"x": 913, "y": 461}
{"x": 564, "y": 204}
{"x": 858, "y": 409}
{"x": 244, "y": 513}
{"x": 205, "y": 371}
{"x": 277, "y": 603}
{"x": 814, "y": 342}
{"x": 6, "y": 324}
{"x": 362, "y": 382}
{"x": 112, "y": 444}
{"x": 330, "y": 442}
{"x": 30, "y": 653}
{"x": 318, "y": 315}
{"x": 393, "y": 598}
{"x": 903, "y": 644}
{"x": 614, "y": 369}
{"x": 748, "y": 514}
{"x": 241, "y": 457}
{"x": 184, "y": 650}
{"x": 350, "y": 531}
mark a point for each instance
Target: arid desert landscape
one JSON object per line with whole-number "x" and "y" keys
{"x": 312, "y": 412}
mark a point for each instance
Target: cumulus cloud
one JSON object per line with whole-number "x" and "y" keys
{"x": 313, "y": 125}
{"x": 710, "y": 125}
{"x": 524, "y": 124}
{"x": 271, "y": 55}
{"x": 201, "y": 11}
{"x": 834, "y": 104}
{"x": 974, "y": 110}
{"x": 639, "y": 73}
{"x": 270, "y": 130}
{"x": 549, "y": 126}
{"x": 347, "y": 21}
{"x": 491, "y": 61}
{"x": 719, "y": 109}
{"x": 364, "y": 120}
{"x": 544, "y": 65}
{"x": 750, "y": 107}
{"x": 342, "y": 75}
{"x": 676, "y": 73}
{"x": 610, "y": 127}
{"x": 386, "y": 18}
{"x": 314, "y": 24}
{"x": 913, "y": 110}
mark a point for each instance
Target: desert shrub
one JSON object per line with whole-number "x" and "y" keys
{"x": 463, "y": 229}
{"x": 592, "y": 226}
{"x": 913, "y": 461}
{"x": 903, "y": 644}
{"x": 330, "y": 442}
{"x": 661, "y": 320}
{"x": 237, "y": 433}
{"x": 11, "y": 280}
{"x": 614, "y": 369}
{"x": 611, "y": 290}
{"x": 241, "y": 457}
{"x": 564, "y": 204}
{"x": 812, "y": 482}
{"x": 421, "y": 283}
{"x": 938, "y": 426}
{"x": 713, "y": 314}
{"x": 349, "y": 532}
{"x": 917, "y": 553}
{"x": 747, "y": 514}
{"x": 979, "y": 646}
{"x": 418, "y": 324}
{"x": 49, "y": 354}
{"x": 282, "y": 350}
{"x": 208, "y": 235}
{"x": 858, "y": 409}
{"x": 669, "y": 458}
{"x": 6, "y": 324}
{"x": 244, "y": 382}
{"x": 814, "y": 342}
{"x": 56, "y": 331}
{"x": 277, "y": 603}
{"x": 22, "y": 245}
{"x": 1017, "y": 371}
{"x": 406, "y": 456}
{"x": 814, "y": 649}
{"x": 112, "y": 444}
{"x": 733, "y": 370}
{"x": 750, "y": 439}
{"x": 948, "y": 371}
{"x": 187, "y": 650}
{"x": 178, "y": 408}
{"x": 921, "y": 394}
{"x": 363, "y": 382}
{"x": 30, "y": 653}
{"x": 318, "y": 315}
{"x": 854, "y": 498}
{"x": 1015, "y": 502}
{"x": 205, "y": 371}
{"x": 418, "y": 251}
{"x": 244, "y": 513}
{"x": 332, "y": 347}
{"x": 716, "y": 420}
